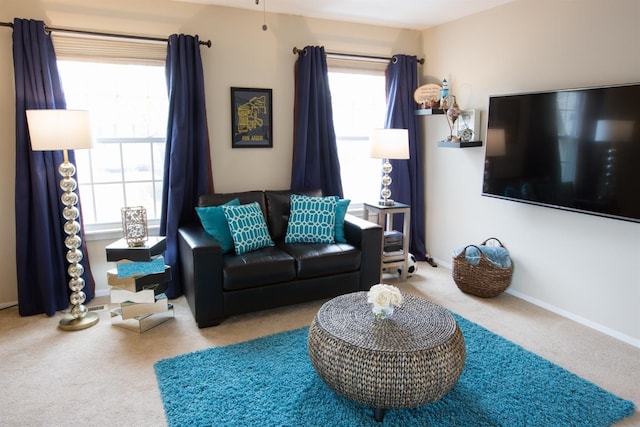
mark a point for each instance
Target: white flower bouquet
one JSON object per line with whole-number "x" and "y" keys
{"x": 385, "y": 298}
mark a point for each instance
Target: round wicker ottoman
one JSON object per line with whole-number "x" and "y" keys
{"x": 410, "y": 359}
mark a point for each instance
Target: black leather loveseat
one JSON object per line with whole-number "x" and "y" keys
{"x": 218, "y": 285}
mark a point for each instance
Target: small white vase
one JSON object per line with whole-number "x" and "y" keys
{"x": 383, "y": 312}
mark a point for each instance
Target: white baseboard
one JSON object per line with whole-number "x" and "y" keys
{"x": 564, "y": 313}
{"x": 102, "y": 292}
{"x": 578, "y": 319}
{"x": 8, "y": 304}
{"x": 446, "y": 264}
{"x": 98, "y": 293}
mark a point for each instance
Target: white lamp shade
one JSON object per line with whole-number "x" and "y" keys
{"x": 59, "y": 129}
{"x": 389, "y": 144}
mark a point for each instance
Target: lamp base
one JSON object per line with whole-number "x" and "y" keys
{"x": 69, "y": 323}
{"x": 386, "y": 202}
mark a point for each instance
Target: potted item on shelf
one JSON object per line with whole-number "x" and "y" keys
{"x": 453, "y": 112}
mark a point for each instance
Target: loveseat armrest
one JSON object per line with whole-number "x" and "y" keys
{"x": 367, "y": 236}
{"x": 201, "y": 269}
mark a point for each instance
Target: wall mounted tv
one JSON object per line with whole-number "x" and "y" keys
{"x": 576, "y": 149}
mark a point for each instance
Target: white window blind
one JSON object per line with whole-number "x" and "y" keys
{"x": 355, "y": 64}
{"x": 78, "y": 47}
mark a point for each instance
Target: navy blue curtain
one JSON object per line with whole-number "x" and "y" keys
{"x": 41, "y": 264}
{"x": 315, "y": 153}
{"x": 407, "y": 175}
{"x": 187, "y": 170}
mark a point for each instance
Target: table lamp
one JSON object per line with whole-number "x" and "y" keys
{"x": 64, "y": 130}
{"x": 389, "y": 144}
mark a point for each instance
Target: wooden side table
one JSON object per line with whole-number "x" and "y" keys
{"x": 385, "y": 220}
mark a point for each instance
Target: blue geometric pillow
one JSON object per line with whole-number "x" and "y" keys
{"x": 215, "y": 223}
{"x": 312, "y": 219}
{"x": 341, "y": 211}
{"x": 248, "y": 228}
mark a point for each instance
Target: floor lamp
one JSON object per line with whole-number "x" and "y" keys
{"x": 389, "y": 144}
{"x": 64, "y": 130}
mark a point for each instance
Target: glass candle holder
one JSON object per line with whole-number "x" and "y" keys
{"x": 134, "y": 225}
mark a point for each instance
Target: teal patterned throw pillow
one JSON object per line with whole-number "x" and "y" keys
{"x": 248, "y": 227}
{"x": 312, "y": 219}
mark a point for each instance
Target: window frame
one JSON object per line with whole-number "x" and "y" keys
{"x": 359, "y": 68}
{"x": 71, "y": 47}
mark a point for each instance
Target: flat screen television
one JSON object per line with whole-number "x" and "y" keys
{"x": 575, "y": 149}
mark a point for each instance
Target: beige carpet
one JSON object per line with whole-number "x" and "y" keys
{"x": 103, "y": 376}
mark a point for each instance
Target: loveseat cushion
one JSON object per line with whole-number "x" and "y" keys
{"x": 278, "y": 204}
{"x": 261, "y": 267}
{"x": 245, "y": 197}
{"x": 321, "y": 259}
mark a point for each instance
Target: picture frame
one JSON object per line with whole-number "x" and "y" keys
{"x": 251, "y": 118}
{"x": 468, "y": 119}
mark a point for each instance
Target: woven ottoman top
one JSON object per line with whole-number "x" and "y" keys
{"x": 417, "y": 325}
{"x": 411, "y": 358}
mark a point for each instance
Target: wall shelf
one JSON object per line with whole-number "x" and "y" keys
{"x": 429, "y": 111}
{"x": 460, "y": 144}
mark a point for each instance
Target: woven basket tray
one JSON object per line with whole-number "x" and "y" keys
{"x": 484, "y": 279}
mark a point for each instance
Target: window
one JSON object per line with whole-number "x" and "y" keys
{"x": 569, "y": 105}
{"x": 128, "y": 105}
{"x": 359, "y": 105}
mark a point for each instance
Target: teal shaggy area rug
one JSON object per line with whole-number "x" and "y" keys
{"x": 270, "y": 381}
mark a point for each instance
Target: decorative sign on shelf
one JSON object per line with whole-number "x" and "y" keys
{"x": 428, "y": 96}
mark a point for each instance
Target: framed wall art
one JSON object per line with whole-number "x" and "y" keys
{"x": 251, "y": 118}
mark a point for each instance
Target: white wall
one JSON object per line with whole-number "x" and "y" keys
{"x": 248, "y": 57}
{"x": 582, "y": 266}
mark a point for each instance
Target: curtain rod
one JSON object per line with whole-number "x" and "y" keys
{"x": 96, "y": 33}
{"x": 297, "y": 51}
